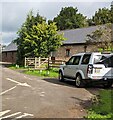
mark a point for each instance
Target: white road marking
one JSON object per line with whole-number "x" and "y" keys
{"x": 12, "y": 80}
{"x": 14, "y": 114}
{"x": 27, "y": 77}
{"x": 8, "y": 90}
{"x": 4, "y": 112}
{"x": 41, "y": 95}
{"x": 24, "y": 84}
{"x": 25, "y": 114}
{"x": 19, "y": 83}
{"x": 42, "y": 92}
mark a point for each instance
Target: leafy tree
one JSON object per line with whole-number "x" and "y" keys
{"x": 101, "y": 37}
{"x": 36, "y": 38}
{"x": 102, "y": 16}
{"x": 69, "y": 18}
{"x": 111, "y": 12}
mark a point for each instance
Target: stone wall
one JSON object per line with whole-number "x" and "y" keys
{"x": 60, "y": 54}
{"x": 74, "y": 49}
{"x": 9, "y": 57}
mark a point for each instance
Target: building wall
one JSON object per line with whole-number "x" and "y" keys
{"x": 9, "y": 57}
{"x": 61, "y": 53}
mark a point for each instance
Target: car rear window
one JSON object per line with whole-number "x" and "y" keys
{"x": 85, "y": 59}
{"x": 108, "y": 61}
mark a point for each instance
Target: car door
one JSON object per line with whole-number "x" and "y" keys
{"x": 75, "y": 66}
{"x": 72, "y": 66}
{"x": 67, "y": 68}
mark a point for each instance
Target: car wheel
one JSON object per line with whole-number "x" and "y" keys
{"x": 61, "y": 77}
{"x": 108, "y": 85}
{"x": 79, "y": 81}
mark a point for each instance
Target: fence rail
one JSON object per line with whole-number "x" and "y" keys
{"x": 39, "y": 63}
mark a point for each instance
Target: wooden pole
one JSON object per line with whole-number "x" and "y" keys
{"x": 35, "y": 62}
{"x": 48, "y": 64}
{"x": 25, "y": 62}
{"x": 39, "y": 61}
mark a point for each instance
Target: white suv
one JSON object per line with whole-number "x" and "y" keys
{"x": 88, "y": 67}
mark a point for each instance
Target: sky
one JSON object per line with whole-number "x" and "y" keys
{"x": 13, "y": 12}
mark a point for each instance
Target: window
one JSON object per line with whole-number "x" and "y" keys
{"x": 85, "y": 59}
{"x": 76, "y": 60}
{"x": 70, "y": 62}
{"x": 67, "y": 52}
{"x": 53, "y": 53}
{"x": 108, "y": 61}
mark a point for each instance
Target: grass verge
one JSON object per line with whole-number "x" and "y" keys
{"x": 53, "y": 72}
{"x": 43, "y": 73}
{"x": 102, "y": 109}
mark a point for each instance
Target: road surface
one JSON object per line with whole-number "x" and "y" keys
{"x": 25, "y": 96}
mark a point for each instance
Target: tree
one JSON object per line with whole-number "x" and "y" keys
{"x": 36, "y": 38}
{"x": 69, "y": 19}
{"x": 111, "y": 12}
{"x": 102, "y": 16}
{"x": 101, "y": 37}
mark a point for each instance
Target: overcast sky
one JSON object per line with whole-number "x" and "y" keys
{"x": 13, "y": 13}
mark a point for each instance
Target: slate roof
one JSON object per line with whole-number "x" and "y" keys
{"x": 11, "y": 47}
{"x": 75, "y": 36}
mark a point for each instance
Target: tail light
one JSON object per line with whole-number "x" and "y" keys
{"x": 90, "y": 69}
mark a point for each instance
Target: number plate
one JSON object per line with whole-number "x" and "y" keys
{"x": 97, "y": 70}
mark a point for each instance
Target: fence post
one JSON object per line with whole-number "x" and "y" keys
{"x": 25, "y": 62}
{"x": 35, "y": 62}
{"x": 48, "y": 64}
{"x": 39, "y": 61}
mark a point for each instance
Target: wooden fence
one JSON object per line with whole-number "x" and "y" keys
{"x": 42, "y": 63}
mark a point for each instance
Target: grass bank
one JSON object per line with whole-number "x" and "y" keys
{"x": 102, "y": 108}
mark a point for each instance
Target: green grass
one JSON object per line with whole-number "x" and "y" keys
{"x": 102, "y": 108}
{"x": 43, "y": 73}
{"x": 14, "y": 66}
{"x": 53, "y": 72}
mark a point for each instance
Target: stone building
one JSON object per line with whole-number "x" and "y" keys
{"x": 75, "y": 42}
{"x": 9, "y": 53}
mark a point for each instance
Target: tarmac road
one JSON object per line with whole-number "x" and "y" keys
{"x": 25, "y": 96}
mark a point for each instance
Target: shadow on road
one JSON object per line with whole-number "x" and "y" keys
{"x": 56, "y": 81}
{"x": 92, "y": 88}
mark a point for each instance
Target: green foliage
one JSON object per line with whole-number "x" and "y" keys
{"x": 103, "y": 109}
{"x": 101, "y": 37}
{"x": 102, "y": 16}
{"x": 69, "y": 19}
{"x": 36, "y": 38}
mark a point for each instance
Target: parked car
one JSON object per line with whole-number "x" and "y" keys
{"x": 87, "y": 68}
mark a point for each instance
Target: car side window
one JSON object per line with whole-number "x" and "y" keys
{"x": 76, "y": 60}
{"x": 85, "y": 59}
{"x": 70, "y": 62}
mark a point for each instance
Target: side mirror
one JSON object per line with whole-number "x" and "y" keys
{"x": 66, "y": 63}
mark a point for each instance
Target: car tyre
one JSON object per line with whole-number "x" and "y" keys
{"x": 61, "y": 77}
{"x": 79, "y": 81}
